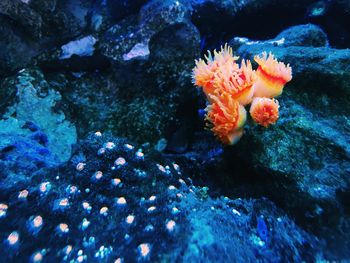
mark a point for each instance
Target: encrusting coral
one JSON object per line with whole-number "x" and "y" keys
{"x": 229, "y": 87}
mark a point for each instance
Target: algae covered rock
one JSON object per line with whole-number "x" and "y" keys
{"x": 36, "y": 102}
{"x": 145, "y": 92}
{"x": 98, "y": 101}
{"x": 305, "y": 156}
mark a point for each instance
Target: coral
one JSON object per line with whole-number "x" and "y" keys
{"x": 271, "y": 76}
{"x": 127, "y": 204}
{"x": 204, "y": 74}
{"x": 238, "y": 81}
{"x": 227, "y": 117}
{"x": 229, "y": 87}
{"x": 264, "y": 111}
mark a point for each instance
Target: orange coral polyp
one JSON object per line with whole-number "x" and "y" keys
{"x": 271, "y": 76}
{"x": 227, "y": 117}
{"x": 237, "y": 81}
{"x": 204, "y": 71}
{"x": 264, "y": 111}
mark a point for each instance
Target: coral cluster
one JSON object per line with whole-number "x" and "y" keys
{"x": 229, "y": 87}
{"x": 116, "y": 202}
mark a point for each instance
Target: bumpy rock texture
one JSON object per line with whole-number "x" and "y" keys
{"x": 123, "y": 202}
{"x": 34, "y": 132}
{"x": 306, "y": 154}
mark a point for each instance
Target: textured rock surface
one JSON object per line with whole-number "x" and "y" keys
{"x": 29, "y": 28}
{"x": 132, "y": 205}
{"x": 37, "y": 103}
{"x": 154, "y": 65}
{"x": 154, "y": 17}
{"x": 306, "y": 155}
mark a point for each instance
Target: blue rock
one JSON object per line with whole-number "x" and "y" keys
{"x": 99, "y": 208}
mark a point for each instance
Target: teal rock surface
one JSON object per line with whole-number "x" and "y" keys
{"x": 36, "y": 102}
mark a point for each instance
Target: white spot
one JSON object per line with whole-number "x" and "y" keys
{"x": 151, "y": 209}
{"x": 170, "y": 225}
{"x": 121, "y": 201}
{"x": 63, "y": 228}
{"x": 13, "y": 238}
{"x": 116, "y": 181}
{"x": 130, "y": 219}
{"x": 128, "y": 146}
{"x": 109, "y": 145}
{"x": 87, "y": 206}
{"x": 179, "y": 195}
{"x": 81, "y": 47}
{"x": 182, "y": 181}
{"x": 85, "y": 224}
{"x": 175, "y": 211}
{"x": 101, "y": 151}
{"x": 236, "y": 212}
{"x": 176, "y": 166}
{"x": 97, "y": 175}
{"x": 139, "y": 154}
{"x": 144, "y": 249}
{"x": 139, "y": 50}
{"x": 63, "y": 202}
{"x": 152, "y": 198}
{"x": 3, "y": 210}
{"x": 37, "y": 221}
{"x": 104, "y": 211}
{"x": 161, "y": 168}
{"x": 120, "y": 161}
{"x": 23, "y": 194}
{"x": 44, "y": 187}
{"x": 98, "y": 134}
{"x": 71, "y": 189}
{"x": 37, "y": 257}
{"x": 68, "y": 249}
{"x": 80, "y": 258}
{"x": 80, "y": 166}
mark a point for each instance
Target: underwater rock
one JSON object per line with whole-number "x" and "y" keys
{"x": 61, "y": 20}
{"x": 25, "y": 16}
{"x": 305, "y": 157}
{"x": 97, "y": 101}
{"x": 30, "y": 28}
{"x": 114, "y": 201}
{"x": 154, "y": 17}
{"x": 23, "y": 153}
{"x": 218, "y": 20}
{"x": 81, "y": 47}
{"x": 307, "y": 35}
{"x": 333, "y": 17}
{"x": 323, "y": 66}
{"x": 15, "y": 52}
{"x": 36, "y": 103}
{"x": 159, "y": 98}
{"x": 121, "y": 9}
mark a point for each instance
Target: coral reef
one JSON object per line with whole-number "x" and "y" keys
{"x": 229, "y": 87}
{"x": 124, "y": 69}
{"x": 116, "y": 201}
